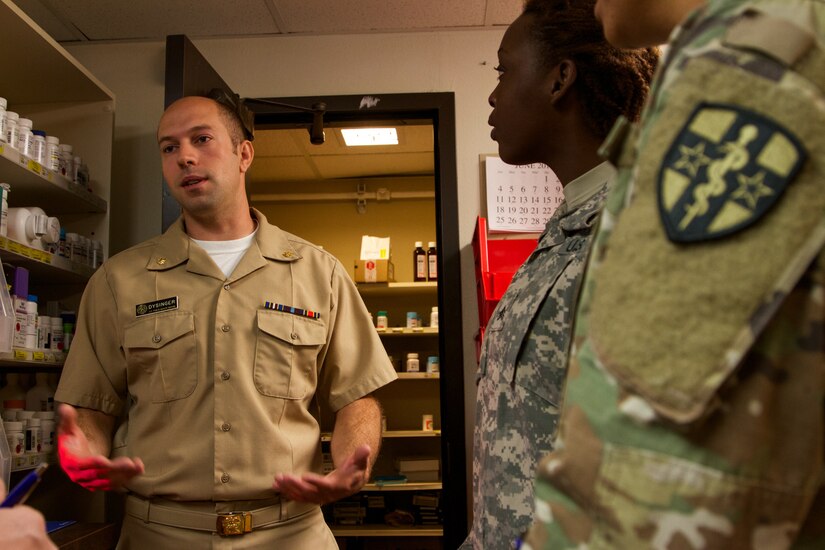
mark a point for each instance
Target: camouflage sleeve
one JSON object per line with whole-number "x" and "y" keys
{"x": 693, "y": 413}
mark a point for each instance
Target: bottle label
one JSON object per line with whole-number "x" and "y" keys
{"x": 421, "y": 267}
{"x": 432, "y": 261}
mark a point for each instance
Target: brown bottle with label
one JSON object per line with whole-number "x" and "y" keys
{"x": 432, "y": 262}
{"x": 419, "y": 262}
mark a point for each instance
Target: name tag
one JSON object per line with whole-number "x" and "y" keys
{"x": 157, "y": 306}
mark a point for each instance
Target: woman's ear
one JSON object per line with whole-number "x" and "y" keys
{"x": 560, "y": 79}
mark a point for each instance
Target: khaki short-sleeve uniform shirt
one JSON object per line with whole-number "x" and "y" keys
{"x": 218, "y": 380}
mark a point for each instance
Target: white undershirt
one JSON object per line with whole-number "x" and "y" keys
{"x": 227, "y": 254}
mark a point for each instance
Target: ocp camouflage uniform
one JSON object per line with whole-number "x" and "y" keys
{"x": 693, "y": 414}
{"x": 523, "y": 366}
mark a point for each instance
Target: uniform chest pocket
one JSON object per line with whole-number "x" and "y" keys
{"x": 286, "y": 354}
{"x": 162, "y": 356}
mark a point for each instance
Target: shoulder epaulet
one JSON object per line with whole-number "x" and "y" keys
{"x": 770, "y": 35}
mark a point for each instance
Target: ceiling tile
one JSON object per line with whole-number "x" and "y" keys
{"x": 48, "y": 21}
{"x": 503, "y": 12}
{"x": 112, "y": 20}
{"x": 324, "y": 16}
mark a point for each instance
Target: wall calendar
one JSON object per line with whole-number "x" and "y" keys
{"x": 520, "y": 198}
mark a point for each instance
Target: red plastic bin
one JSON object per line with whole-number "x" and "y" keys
{"x": 496, "y": 262}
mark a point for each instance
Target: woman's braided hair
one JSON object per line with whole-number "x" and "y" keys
{"x": 610, "y": 81}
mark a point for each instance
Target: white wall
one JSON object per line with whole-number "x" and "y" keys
{"x": 457, "y": 61}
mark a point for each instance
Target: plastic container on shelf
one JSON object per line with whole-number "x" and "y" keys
{"x": 40, "y": 397}
{"x": 412, "y": 363}
{"x": 39, "y": 146}
{"x": 33, "y": 227}
{"x": 381, "y": 320}
{"x": 77, "y": 162}
{"x": 7, "y": 315}
{"x": 12, "y": 396}
{"x": 52, "y": 160}
{"x": 3, "y": 105}
{"x": 31, "y": 322}
{"x": 47, "y": 434}
{"x": 33, "y": 436}
{"x": 412, "y": 319}
{"x": 44, "y": 331}
{"x": 57, "y": 334}
{"x": 11, "y": 128}
{"x": 24, "y": 137}
{"x": 5, "y": 188}
{"x": 434, "y": 317}
{"x": 66, "y": 160}
{"x": 96, "y": 257}
{"x": 14, "y": 437}
{"x": 69, "y": 320}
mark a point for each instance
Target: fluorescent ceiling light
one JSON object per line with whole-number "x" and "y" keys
{"x": 369, "y": 136}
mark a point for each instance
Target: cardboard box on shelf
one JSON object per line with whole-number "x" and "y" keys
{"x": 373, "y": 264}
{"x": 374, "y": 271}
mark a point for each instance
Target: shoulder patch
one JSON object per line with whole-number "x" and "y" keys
{"x": 726, "y": 168}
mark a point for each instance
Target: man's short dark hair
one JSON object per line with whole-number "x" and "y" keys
{"x": 236, "y": 116}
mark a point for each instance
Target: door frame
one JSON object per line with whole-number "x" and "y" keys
{"x": 437, "y": 108}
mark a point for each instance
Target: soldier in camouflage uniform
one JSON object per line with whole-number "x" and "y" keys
{"x": 561, "y": 87}
{"x": 693, "y": 414}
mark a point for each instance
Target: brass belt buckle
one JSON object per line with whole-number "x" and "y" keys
{"x": 235, "y": 523}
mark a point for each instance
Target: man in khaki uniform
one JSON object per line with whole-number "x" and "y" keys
{"x": 207, "y": 351}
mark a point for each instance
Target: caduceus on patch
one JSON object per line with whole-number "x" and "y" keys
{"x": 726, "y": 168}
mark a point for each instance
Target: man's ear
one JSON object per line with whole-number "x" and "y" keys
{"x": 247, "y": 153}
{"x": 560, "y": 80}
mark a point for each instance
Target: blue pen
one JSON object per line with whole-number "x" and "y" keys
{"x": 22, "y": 490}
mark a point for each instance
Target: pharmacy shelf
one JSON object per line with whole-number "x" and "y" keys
{"x": 32, "y": 183}
{"x": 434, "y": 486}
{"x": 30, "y": 461}
{"x": 391, "y": 289}
{"x": 385, "y": 531}
{"x": 418, "y": 375}
{"x": 404, "y": 331}
{"x": 396, "y": 434}
{"x": 411, "y": 433}
{"x": 33, "y": 358}
{"x": 43, "y": 265}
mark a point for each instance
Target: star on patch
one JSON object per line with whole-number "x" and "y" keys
{"x": 724, "y": 171}
{"x": 751, "y": 189}
{"x": 692, "y": 159}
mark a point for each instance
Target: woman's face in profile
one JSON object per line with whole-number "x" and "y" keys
{"x": 521, "y": 105}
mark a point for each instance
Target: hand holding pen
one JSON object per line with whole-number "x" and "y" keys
{"x": 22, "y": 490}
{"x": 22, "y": 527}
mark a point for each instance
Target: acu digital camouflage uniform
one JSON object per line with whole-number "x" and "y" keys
{"x": 693, "y": 416}
{"x": 523, "y": 366}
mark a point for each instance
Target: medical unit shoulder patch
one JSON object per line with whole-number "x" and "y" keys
{"x": 726, "y": 168}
